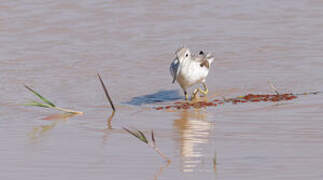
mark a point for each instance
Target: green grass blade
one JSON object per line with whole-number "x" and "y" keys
{"x": 132, "y": 133}
{"x": 41, "y": 97}
{"x": 137, "y": 135}
{"x": 35, "y": 103}
{"x": 143, "y": 137}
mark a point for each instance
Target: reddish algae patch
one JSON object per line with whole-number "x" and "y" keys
{"x": 237, "y": 100}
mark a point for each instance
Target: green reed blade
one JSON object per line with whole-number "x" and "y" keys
{"x": 35, "y": 103}
{"x": 132, "y": 133}
{"x": 143, "y": 137}
{"x": 41, "y": 97}
{"x": 138, "y": 135}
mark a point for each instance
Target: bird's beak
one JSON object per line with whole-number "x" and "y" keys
{"x": 210, "y": 58}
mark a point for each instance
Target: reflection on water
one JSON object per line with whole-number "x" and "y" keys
{"x": 108, "y": 129}
{"x": 214, "y": 162}
{"x": 194, "y": 131}
{"x": 161, "y": 170}
{"x": 109, "y": 120}
{"x": 160, "y": 96}
{"x": 43, "y": 129}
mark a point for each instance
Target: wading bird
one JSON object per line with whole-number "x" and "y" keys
{"x": 189, "y": 69}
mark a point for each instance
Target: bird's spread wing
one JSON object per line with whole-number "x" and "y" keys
{"x": 174, "y": 69}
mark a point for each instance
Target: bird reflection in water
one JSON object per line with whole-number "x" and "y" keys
{"x": 194, "y": 134}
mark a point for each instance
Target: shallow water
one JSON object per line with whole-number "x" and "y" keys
{"x": 57, "y": 47}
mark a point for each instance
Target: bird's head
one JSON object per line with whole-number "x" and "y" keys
{"x": 182, "y": 54}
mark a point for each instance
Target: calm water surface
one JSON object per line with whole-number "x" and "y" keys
{"x": 57, "y": 47}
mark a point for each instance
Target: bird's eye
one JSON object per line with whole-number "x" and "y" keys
{"x": 186, "y": 55}
{"x": 201, "y": 53}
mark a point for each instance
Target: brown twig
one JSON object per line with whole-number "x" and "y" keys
{"x": 106, "y": 93}
{"x": 273, "y": 87}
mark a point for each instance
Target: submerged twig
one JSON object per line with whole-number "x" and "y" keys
{"x": 47, "y": 103}
{"x": 141, "y": 136}
{"x": 106, "y": 93}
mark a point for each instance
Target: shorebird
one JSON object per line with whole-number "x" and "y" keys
{"x": 189, "y": 69}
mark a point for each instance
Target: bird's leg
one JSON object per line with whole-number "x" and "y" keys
{"x": 195, "y": 93}
{"x": 204, "y": 92}
{"x": 186, "y": 96}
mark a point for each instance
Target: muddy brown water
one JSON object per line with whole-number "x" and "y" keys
{"x": 57, "y": 47}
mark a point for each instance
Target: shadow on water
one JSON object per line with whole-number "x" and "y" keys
{"x": 160, "y": 96}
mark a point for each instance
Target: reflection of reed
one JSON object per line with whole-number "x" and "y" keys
{"x": 194, "y": 131}
{"x": 160, "y": 170}
{"x": 108, "y": 129}
{"x": 109, "y": 121}
{"x": 41, "y": 130}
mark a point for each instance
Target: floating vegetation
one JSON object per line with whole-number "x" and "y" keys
{"x": 240, "y": 99}
{"x": 141, "y": 136}
{"x": 47, "y": 103}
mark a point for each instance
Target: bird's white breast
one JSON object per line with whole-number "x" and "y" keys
{"x": 191, "y": 73}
